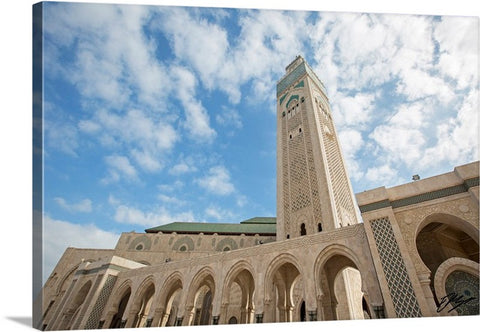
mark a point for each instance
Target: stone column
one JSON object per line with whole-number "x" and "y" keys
{"x": 223, "y": 313}
{"x": 320, "y": 309}
{"x": 250, "y": 315}
{"x": 282, "y": 313}
{"x": 157, "y": 316}
{"x": 188, "y": 317}
{"x": 108, "y": 319}
{"x": 243, "y": 316}
{"x": 289, "y": 313}
{"x": 424, "y": 279}
{"x": 131, "y": 319}
{"x": 164, "y": 320}
{"x": 268, "y": 311}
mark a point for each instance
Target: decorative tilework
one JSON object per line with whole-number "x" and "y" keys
{"x": 292, "y": 97}
{"x": 97, "y": 310}
{"x": 187, "y": 241}
{"x": 144, "y": 240}
{"x": 227, "y": 242}
{"x": 375, "y": 206}
{"x": 301, "y": 84}
{"x": 465, "y": 286}
{"x": 399, "y": 284}
{"x": 469, "y": 183}
{"x": 295, "y": 74}
{"x": 290, "y": 78}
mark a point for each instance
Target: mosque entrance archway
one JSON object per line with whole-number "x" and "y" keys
{"x": 238, "y": 293}
{"x": 340, "y": 286}
{"x": 450, "y": 251}
{"x": 282, "y": 278}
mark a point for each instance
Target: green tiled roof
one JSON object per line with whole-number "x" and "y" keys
{"x": 257, "y": 225}
{"x": 260, "y": 220}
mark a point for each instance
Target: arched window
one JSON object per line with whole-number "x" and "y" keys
{"x": 319, "y": 226}
{"x": 303, "y": 312}
{"x": 303, "y": 230}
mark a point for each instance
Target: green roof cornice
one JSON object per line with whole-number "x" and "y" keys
{"x": 257, "y": 225}
{"x": 295, "y": 74}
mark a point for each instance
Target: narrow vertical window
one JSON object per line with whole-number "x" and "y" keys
{"x": 303, "y": 230}
{"x": 319, "y": 227}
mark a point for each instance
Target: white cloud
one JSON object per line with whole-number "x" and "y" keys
{"x": 418, "y": 83}
{"x": 382, "y": 174}
{"x": 130, "y": 215}
{"x": 219, "y": 214}
{"x": 58, "y": 235}
{"x": 217, "y": 181}
{"x": 176, "y": 185}
{"x": 353, "y": 110}
{"x": 241, "y": 200}
{"x": 197, "y": 121}
{"x": 146, "y": 139}
{"x": 119, "y": 166}
{"x": 196, "y": 41}
{"x": 112, "y": 200}
{"x": 459, "y": 49}
{"x": 182, "y": 168}
{"x": 351, "y": 142}
{"x": 62, "y": 137}
{"x": 267, "y": 40}
{"x": 147, "y": 161}
{"x": 457, "y": 139}
{"x": 114, "y": 59}
{"x": 170, "y": 200}
{"x": 229, "y": 117}
{"x": 84, "y": 205}
{"x": 399, "y": 143}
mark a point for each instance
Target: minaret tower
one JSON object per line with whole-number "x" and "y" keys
{"x": 314, "y": 193}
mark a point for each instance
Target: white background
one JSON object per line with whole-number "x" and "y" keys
{"x": 16, "y": 170}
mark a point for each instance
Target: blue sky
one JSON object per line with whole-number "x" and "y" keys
{"x": 161, "y": 114}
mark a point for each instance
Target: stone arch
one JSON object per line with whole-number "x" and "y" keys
{"x": 140, "y": 311}
{"x": 337, "y": 268}
{"x": 202, "y": 287}
{"x": 119, "y": 304}
{"x": 439, "y": 237}
{"x": 444, "y": 271}
{"x": 51, "y": 307}
{"x": 67, "y": 275}
{"x": 169, "y": 298}
{"x": 450, "y": 220}
{"x": 240, "y": 275}
{"x": 70, "y": 314}
{"x": 281, "y": 277}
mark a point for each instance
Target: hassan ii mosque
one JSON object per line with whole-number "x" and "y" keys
{"x": 406, "y": 251}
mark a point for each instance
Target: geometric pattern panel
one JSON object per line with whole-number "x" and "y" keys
{"x": 464, "y": 286}
{"x": 97, "y": 310}
{"x": 399, "y": 284}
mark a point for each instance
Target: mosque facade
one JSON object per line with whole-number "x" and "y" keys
{"x": 406, "y": 251}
